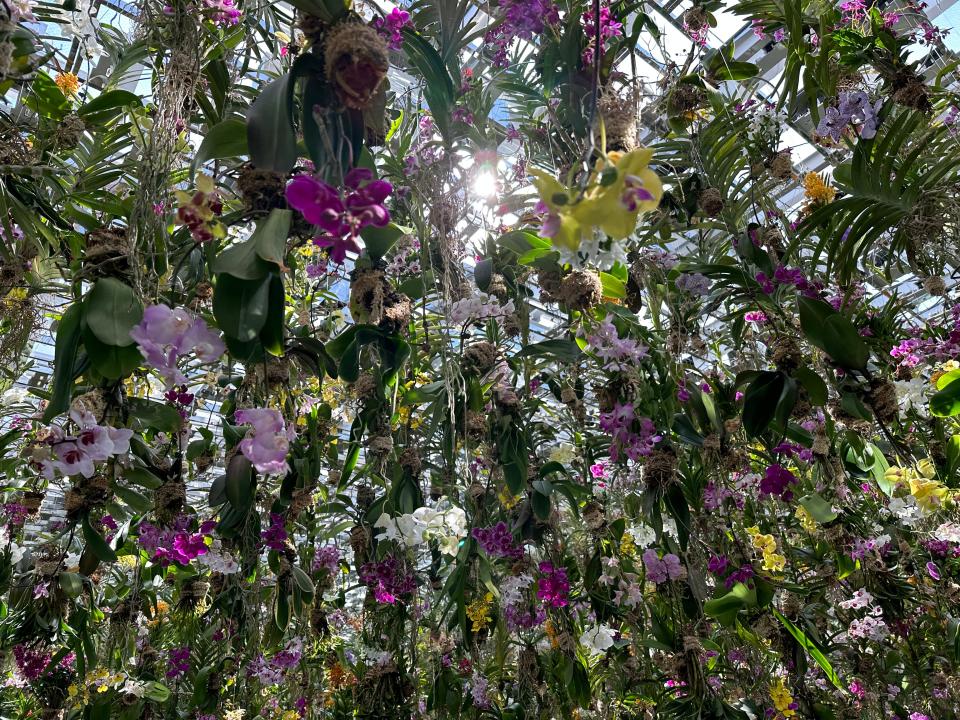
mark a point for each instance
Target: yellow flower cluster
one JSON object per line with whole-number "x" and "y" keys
{"x": 479, "y": 612}
{"x": 16, "y": 296}
{"x": 620, "y": 188}
{"x": 806, "y": 519}
{"x": 768, "y": 548}
{"x": 98, "y": 680}
{"x": 782, "y": 699}
{"x": 921, "y": 480}
{"x": 628, "y": 546}
{"x": 507, "y": 499}
{"x": 817, "y": 190}
{"x": 68, "y": 83}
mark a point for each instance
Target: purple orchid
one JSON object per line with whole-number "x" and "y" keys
{"x": 166, "y": 334}
{"x": 267, "y": 443}
{"x": 341, "y": 215}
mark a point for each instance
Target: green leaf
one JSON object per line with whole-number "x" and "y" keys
{"x": 819, "y": 508}
{"x": 71, "y": 583}
{"x": 109, "y": 360}
{"x": 69, "y": 331}
{"x": 281, "y": 610}
{"x": 760, "y": 401}
{"x": 95, "y": 542}
{"x": 270, "y": 135}
{"x": 483, "y": 272}
{"x": 138, "y": 502}
{"x": 157, "y": 692}
{"x": 106, "y": 106}
{"x": 560, "y": 349}
{"x": 272, "y": 334}
{"x": 349, "y": 366}
{"x": 946, "y": 402}
{"x": 239, "y": 482}
{"x": 227, "y": 139}
{"x": 302, "y": 580}
{"x": 726, "y": 608}
{"x": 155, "y": 415}
{"x": 240, "y": 306}
{"x": 143, "y": 477}
{"x": 613, "y": 287}
{"x": 270, "y": 237}
{"x": 814, "y": 385}
{"x": 379, "y": 240}
{"x": 833, "y": 333}
{"x": 540, "y": 504}
{"x": 250, "y": 260}
{"x": 811, "y": 649}
{"x": 45, "y": 98}
{"x": 736, "y": 70}
{"x": 111, "y": 311}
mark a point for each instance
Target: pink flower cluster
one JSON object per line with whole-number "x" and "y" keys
{"x": 341, "y": 214}
{"x": 391, "y": 27}
{"x": 267, "y": 442}
{"x": 497, "y": 541}
{"x": 327, "y": 558}
{"x": 275, "y": 536}
{"x": 388, "y": 579}
{"x": 660, "y": 570}
{"x": 777, "y": 480}
{"x": 609, "y": 29}
{"x": 616, "y": 352}
{"x": 78, "y": 454}
{"x": 620, "y": 423}
{"x": 521, "y": 19}
{"x": 553, "y": 586}
{"x": 221, "y": 12}
{"x": 167, "y": 334}
{"x": 177, "y": 544}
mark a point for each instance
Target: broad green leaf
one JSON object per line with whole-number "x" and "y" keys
{"x": 239, "y": 482}
{"x": 106, "y": 106}
{"x": 814, "y": 385}
{"x": 820, "y": 509}
{"x": 270, "y": 134}
{"x": 379, "y": 240}
{"x": 227, "y": 139}
{"x": 240, "y": 306}
{"x": 152, "y": 414}
{"x": 946, "y": 402}
{"x": 833, "y": 333}
{"x": 95, "y": 542}
{"x": 111, "y": 311}
{"x": 71, "y": 583}
{"x": 560, "y": 349}
{"x": 110, "y": 361}
{"x": 760, "y": 401}
{"x": 69, "y": 332}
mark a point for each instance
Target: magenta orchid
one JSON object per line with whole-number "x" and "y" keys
{"x": 341, "y": 215}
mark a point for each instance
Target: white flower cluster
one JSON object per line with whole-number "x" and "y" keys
{"x": 598, "y": 251}
{"x": 479, "y": 307}
{"x": 643, "y": 535}
{"x": 948, "y": 532}
{"x": 597, "y": 639}
{"x": 218, "y": 560}
{"x": 765, "y": 124}
{"x": 445, "y": 523}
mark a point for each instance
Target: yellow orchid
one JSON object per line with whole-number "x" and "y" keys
{"x": 621, "y": 187}
{"x": 928, "y": 493}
